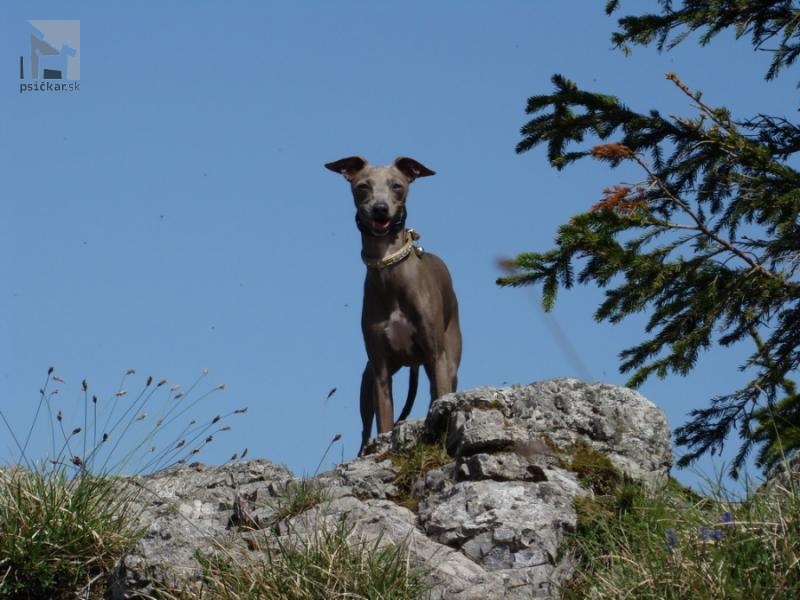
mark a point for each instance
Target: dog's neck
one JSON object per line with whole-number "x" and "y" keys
{"x": 374, "y": 247}
{"x": 377, "y": 248}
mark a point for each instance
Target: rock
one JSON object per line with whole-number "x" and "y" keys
{"x": 507, "y": 525}
{"x": 501, "y": 466}
{"x": 184, "y": 510}
{"x": 478, "y": 430}
{"x": 453, "y": 574}
{"x": 490, "y": 523}
{"x": 403, "y": 436}
{"x": 366, "y": 478}
{"x": 615, "y": 421}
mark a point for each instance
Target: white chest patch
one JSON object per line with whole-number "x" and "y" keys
{"x": 400, "y": 331}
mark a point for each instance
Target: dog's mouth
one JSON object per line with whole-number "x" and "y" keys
{"x": 380, "y": 226}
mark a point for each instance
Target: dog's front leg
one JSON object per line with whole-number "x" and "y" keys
{"x": 367, "y": 405}
{"x": 441, "y": 373}
{"x": 384, "y": 409}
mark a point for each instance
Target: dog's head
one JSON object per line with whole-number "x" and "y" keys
{"x": 380, "y": 192}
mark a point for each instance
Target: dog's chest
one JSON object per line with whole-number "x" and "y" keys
{"x": 399, "y": 332}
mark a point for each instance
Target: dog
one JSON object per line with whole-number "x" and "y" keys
{"x": 410, "y": 311}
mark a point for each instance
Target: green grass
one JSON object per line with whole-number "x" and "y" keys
{"x": 59, "y": 535}
{"x": 672, "y": 544}
{"x": 138, "y": 429}
{"x": 413, "y": 464}
{"x": 594, "y": 469}
{"x": 294, "y": 498}
{"x": 332, "y": 563}
{"x": 65, "y": 515}
{"x": 64, "y": 521}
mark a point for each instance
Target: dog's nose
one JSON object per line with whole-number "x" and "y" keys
{"x": 380, "y": 211}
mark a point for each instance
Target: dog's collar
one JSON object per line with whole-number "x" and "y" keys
{"x": 396, "y": 257}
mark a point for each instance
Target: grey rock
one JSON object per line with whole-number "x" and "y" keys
{"x": 477, "y": 430}
{"x": 439, "y": 480}
{"x": 506, "y": 525}
{"x": 403, "y": 436}
{"x": 382, "y": 522}
{"x": 502, "y": 466}
{"x": 615, "y": 421}
{"x": 368, "y": 477}
{"x": 488, "y": 525}
{"x": 185, "y": 510}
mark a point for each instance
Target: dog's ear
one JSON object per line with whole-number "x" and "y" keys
{"x": 411, "y": 168}
{"x": 348, "y": 167}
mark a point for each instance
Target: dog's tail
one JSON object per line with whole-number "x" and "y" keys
{"x": 413, "y": 380}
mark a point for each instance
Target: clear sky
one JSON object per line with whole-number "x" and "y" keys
{"x": 173, "y": 214}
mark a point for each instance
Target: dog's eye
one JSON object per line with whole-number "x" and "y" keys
{"x": 397, "y": 187}
{"x": 363, "y": 186}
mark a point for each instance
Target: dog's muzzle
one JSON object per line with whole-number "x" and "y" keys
{"x": 396, "y": 224}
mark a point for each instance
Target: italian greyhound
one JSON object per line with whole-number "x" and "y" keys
{"x": 410, "y": 312}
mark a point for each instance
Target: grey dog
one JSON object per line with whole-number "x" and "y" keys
{"x": 410, "y": 312}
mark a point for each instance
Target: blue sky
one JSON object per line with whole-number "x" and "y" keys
{"x": 173, "y": 214}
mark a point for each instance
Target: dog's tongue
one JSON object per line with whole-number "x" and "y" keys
{"x": 382, "y": 225}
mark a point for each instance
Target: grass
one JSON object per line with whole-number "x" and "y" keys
{"x": 65, "y": 517}
{"x": 413, "y": 464}
{"x": 132, "y": 431}
{"x": 672, "y": 544}
{"x": 294, "y": 498}
{"x": 594, "y": 469}
{"x": 329, "y": 561}
{"x": 59, "y": 535}
{"x": 65, "y": 520}
{"x": 332, "y": 563}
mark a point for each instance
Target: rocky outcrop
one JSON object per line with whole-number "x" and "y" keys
{"x": 487, "y": 519}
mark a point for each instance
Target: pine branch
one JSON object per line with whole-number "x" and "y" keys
{"x": 682, "y": 258}
{"x": 764, "y": 21}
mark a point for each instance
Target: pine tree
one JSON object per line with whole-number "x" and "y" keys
{"x": 707, "y": 245}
